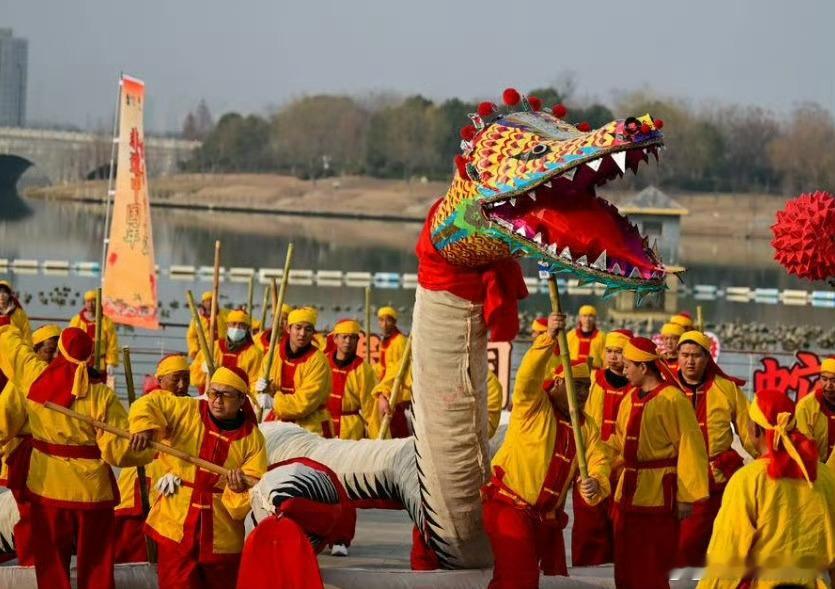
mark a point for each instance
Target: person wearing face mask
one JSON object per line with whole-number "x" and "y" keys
{"x": 816, "y": 412}
{"x": 236, "y": 349}
{"x": 16, "y": 443}
{"x": 299, "y": 386}
{"x": 172, "y": 378}
{"x": 86, "y": 320}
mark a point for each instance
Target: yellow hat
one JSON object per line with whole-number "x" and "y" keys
{"x": 695, "y": 337}
{"x": 387, "y": 312}
{"x": 640, "y": 349}
{"x": 286, "y": 309}
{"x": 303, "y": 315}
{"x": 237, "y": 316}
{"x": 171, "y": 364}
{"x": 616, "y": 339}
{"x": 44, "y": 333}
{"x": 684, "y": 319}
{"x": 539, "y": 325}
{"x": 587, "y": 310}
{"x": 206, "y": 296}
{"x": 90, "y": 295}
{"x": 347, "y": 327}
{"x": 229, "y": 377}
{"x": 579, "y": 370}
{"x": 672, "y": 330}
{"x": 828, "y": 365}
{"x": 7, "y": 284}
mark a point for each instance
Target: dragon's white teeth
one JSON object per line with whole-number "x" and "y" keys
{"x": 513, "y": 202}
{"x": 521, "y": 231}
{"x": 635, "y": 273}
{"x": 582, "y": 261}
{"x": 569, "y": 175}
{"x": 566, "y": 253}
{"x": 600, "y": 262}
{"x": 657, "y": 275}
{"x": 532, "y": 194}
{"x": 505, "y": 224}
{"x": 538, "y": 238}
{"x": 594, "y": 164}
{"x": 547, "y": 184}
{"x": 620, "y": 160}
{"x": 615, "y": 269}
{"x": 552, "y": 249}
{"x": 499, "y": 203}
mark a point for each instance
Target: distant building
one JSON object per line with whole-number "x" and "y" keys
{"x": 14, "y": 55}
{"x": 659, "y": 218}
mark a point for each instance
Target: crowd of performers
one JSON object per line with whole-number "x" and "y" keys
{"x": 667, "y": 485}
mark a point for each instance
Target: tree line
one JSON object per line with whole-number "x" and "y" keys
{"x": 710, "y": 148}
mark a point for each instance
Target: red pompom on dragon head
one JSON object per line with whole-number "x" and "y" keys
{"x": 804, "y": 240}
{"x": 525, "y": 186}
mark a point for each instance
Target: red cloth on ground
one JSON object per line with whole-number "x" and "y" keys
{"x": 129, "y": 539}
{"x": 58, "y": 530}
{"x": 499, "y": 285}
{"x": 278, "y": 555}
{"x": 56, "y": 382}
{"x": 422, "y": 558}
{"x": 592, "y": 536}
{"x": 645, "y": 548}
{"x": 179, "y": 566}
{"x": 695, "y": 531}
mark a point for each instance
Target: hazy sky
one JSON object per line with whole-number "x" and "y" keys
{"x": 253, "y": 54}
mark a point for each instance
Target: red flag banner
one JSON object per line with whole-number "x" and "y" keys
{"x": 130, "y": 286}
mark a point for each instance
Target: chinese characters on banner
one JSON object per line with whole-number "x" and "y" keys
{"x": 796, "y": 380}
{"x": 130, "y": 288}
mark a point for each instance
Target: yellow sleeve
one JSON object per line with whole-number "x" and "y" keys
{"x": 192, "y": 340}
{"x": 394, "y": 355}
{"x": 75, "y": 321}
{"x": 21, "y": 320}
{"x": 807, "y": 415}
{"x": 17, "y": 360}
{"x": 598, "y": 350}
{"x": 597, "y": 460}
{"x": 254, "y": 465}
{"x": 734, "y": 532}
{"x": 494, "y": 401}
{"x": 741, "y": 420}
{"x": 12, "y": 413}
{"x": 115, "y": 450}
{"x": 252, "y": 362}
{"x": 594, "y": 403}
{"x": 198, "y": 377}
{"x": 313, "y": 387}
{"x": 165, "y": 414}
{"x": 527, "y": 390}
{"x": 692, "y": 468}
{"x": 111, "y": 357}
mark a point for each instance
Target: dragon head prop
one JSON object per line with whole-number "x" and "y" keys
{"x": 525, "y": 187}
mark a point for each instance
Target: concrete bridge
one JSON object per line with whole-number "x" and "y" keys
{"x": 55, "y": 157}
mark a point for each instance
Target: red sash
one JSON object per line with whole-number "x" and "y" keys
{"x": 383, "y": 347}
{"x": 612, "y": 398}
{"x": 66, "y": 450}
{"x": 585, "y": 343}
{"x": 339, "y": 376}
{"x": 830, "y": 423}
{"x": 559, "y": 473}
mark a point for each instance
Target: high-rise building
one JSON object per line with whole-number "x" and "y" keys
{"x": 14, "y": 54}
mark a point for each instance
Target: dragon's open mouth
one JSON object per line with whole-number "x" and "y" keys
{"x": 567, "y": 225}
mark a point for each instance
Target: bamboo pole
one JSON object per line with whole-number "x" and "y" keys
{"x": 402, "y": 370}
{"x": 700, "y": 321}
{"x": 215, "y": 295}
{"x": 570, "y": 389}
{"x": 285, "y": 278}
{"x": 264, "y": 307}
{"x": 208, "y": 356}
{"x": 98, "y": 342}
{"x": 158, "y": 446}
{"x": 150, "y": 545}
{"x": 250, "y": 291}
{"x": 368, "y": 325}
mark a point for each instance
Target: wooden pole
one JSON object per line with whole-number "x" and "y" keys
{"x": 158, "y": 446}
{"x": 250, "y": 291}
{"x": 285, "y": 278}
{"x": 700, "y": 322}
{"x": 150, "y": 545}
{"x": 98, "y": 343}
{"x": 402, "y": 370}
{"x": 570, "y": 389}
{"x": 264, "y": 307}
{"x": 215, "y": 294}
{"x": 208, "y": 356}
{"x": 368, "y": 325}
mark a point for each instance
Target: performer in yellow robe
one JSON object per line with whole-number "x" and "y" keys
{"x": 86, "y": 320}
{"x": 204, "y": 311}
{"x": 776, "y": 527}
{"x": 665, "y": 469}
{"x": 719, "y": 404}
{"x": 392, "y": 349}
{"x": 816, "y": 412}
{"x": 299, "y": 385}
{"x": 11, "y": 312}
{"x": 586, "y": 341}
{"x": 352, "y": 382}
{"x": 263, "y": 339}
{"x": 197, "y": 521}
{"x": 236, "y": 349}
{"x": 70, "y": 484}
{"x": 172, "y": 377}
{"x": 524, "y": 502}
{"x": 495, "y": 400}
{"x": 670, "y": 334}
{"x": 16, "y": 444}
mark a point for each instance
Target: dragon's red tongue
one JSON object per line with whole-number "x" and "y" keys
{"x": 588, "y": 225}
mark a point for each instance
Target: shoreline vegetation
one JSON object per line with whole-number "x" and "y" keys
{"x": 741, "y": 216}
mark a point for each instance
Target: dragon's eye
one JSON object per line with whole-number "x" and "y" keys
{"x": 539, "y": 150}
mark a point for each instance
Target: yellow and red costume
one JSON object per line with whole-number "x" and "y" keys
{"x": 816, "y": 416}
{"x": 670, "y": 331}
{"x": 302, "y": 382}
{"x": 592, "y": 535}
{"x": 662, "y": 451}
{"x": 192, "y": 340}
{"x": 392, "y": 349}
{"x": 495, "y": 400}
{"x": 524, "y": 501}
{"x": 352, "y": 381}
{"x": 87, "y": 322}
{"x": 775, "y": 527}
{"x": 199, "y": 529}
{"x": 14, "y": 315}
{"x": 263, "y": 338}
{"x": 69, "y": 484}
{"x": 719, "y": 403}
{"x": 582, "y": 345}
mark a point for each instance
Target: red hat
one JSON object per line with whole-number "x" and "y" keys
{"x": 790, "y": 453}
{"x": 66, "y": 376}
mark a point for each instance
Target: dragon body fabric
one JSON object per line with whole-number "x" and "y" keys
{"x": 524, "y": 186}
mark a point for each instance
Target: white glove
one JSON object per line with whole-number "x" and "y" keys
{"x": 168, "y": 484}
{"x": 261, "y": 385}
{"x": 266, "y": 401}
{"x": 205, "y": 368}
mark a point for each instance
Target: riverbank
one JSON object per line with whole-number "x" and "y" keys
{"x": 747, "y": 216}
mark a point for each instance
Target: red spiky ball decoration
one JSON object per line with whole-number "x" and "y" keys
{"x": 559, "y": 111}
{"x": 485, "y": 109}
{"x": 536, "y": 103}
{"x": 511, "y": 97}
{"x": 804, "y": 241}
